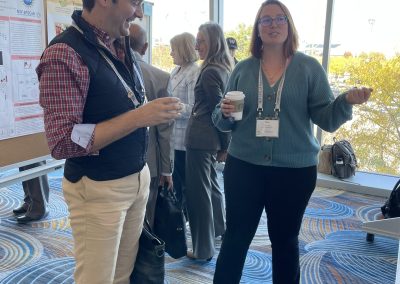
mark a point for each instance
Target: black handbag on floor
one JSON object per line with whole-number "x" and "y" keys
{"x": 149, "y": 266}
{"x": 391, "y": 208}
{"x": 169, "y": 222}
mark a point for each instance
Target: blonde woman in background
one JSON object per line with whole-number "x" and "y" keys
{"x": 181, "y": 85}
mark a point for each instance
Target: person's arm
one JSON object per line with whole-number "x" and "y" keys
{"x": 212, "y": 84}
{"x": 164, "y": 135}
{"x": 158, "y": 111}
{"x": 325, "y": 110}
{"x": 191, "y": 83}
{"x": 64, "y": 82}
{"x": 221, "y": 114}
{"x": 339, "y": 110}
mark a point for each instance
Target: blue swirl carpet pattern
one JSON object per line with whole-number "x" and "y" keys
{"x": 332, "y": 246}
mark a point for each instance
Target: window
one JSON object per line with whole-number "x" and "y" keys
{"x": 239, "y": 20}
{"x": 364, "y": 52}
{"x": 171, "y": 18}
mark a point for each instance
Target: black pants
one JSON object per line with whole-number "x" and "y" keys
{"x": 179, "y": 176}
{"x": 284, "y": 194}
{"x": 36, "y": 192}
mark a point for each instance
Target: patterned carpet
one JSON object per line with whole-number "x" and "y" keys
{"x": 333, "y": 248}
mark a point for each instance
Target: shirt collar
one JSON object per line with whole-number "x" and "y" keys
{"x": 105, "y": 38}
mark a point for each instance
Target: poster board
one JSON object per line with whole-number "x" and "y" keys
{"x": 58, "y": 15}
{"x": 22, "y": 41}
{"x": 18, "y": 149}
{"x": 25, "y": 28}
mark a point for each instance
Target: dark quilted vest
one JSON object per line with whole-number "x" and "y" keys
{"x": 107, "y": 98}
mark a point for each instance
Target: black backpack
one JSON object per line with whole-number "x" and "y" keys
{"x": 391, "y": 208}
{"x": 344, "y": 161}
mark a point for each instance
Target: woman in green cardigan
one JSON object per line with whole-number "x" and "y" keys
{"x": 272, "y": 156}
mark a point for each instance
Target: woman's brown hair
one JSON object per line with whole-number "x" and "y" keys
{"x": 292, "y": 42}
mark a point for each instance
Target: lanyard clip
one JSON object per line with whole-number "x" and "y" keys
{"x": 276, "y": 113}
{"x": 259, "y": 111}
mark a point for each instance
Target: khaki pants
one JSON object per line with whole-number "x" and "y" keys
{"x": 106, "y": 221}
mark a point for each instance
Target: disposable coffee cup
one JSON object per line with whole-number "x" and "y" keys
{"x": 237, "y": 99}
{"x": 182, "y": 107}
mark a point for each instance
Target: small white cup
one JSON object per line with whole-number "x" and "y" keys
{"x": 237, "y": 99}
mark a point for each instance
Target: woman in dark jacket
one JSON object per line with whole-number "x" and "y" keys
{"x": 205, "y": 145}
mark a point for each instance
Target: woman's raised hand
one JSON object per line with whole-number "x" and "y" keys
{"x": 358, "y": 95}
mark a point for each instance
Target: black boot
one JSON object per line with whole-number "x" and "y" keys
{"x": 22, "y": 209}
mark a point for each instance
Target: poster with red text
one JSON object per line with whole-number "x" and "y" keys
{"x": 21, "y": 45}
{"x": 59, "y": 15}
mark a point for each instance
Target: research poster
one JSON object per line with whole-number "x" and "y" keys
{"x": 21, "y": 45}
{"x": 59, "y": 15}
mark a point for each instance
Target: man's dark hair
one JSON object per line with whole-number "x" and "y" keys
{"x": 89, "y": 4}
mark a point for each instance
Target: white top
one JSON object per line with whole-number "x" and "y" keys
{"x": 181, "y": 85}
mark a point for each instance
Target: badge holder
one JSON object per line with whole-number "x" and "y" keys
{"x": 267, "y": 127}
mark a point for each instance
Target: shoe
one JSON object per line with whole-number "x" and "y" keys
{"x": 24, "y": 219}
{"x": 21, "y": 210}
{"x": 190, "y": 255}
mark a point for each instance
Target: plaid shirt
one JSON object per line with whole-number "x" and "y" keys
{"x": 64, "y": 83}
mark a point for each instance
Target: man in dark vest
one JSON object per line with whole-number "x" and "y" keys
{"x": 96, "y": 118}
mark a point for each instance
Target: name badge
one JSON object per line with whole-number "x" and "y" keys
{"x": 267, "y": 128}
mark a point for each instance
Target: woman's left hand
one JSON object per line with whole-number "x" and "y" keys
{"x": 358, "y": 95}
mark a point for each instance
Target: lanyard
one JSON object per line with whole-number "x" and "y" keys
{"x": 261, "y": 92}
{"x": 130, "y": 93}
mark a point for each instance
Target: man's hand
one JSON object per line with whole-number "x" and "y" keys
{"x": 159, "y": 111}
{"x": 168, "y": 180}
{"x": 358, "y": 95}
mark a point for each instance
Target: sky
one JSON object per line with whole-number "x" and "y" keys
{"x": 358, "y": 25}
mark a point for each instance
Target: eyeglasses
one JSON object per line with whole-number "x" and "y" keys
{"x": 267, "y": 21}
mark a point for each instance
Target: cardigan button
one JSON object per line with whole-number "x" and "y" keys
{"x": 267, "y": 157}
